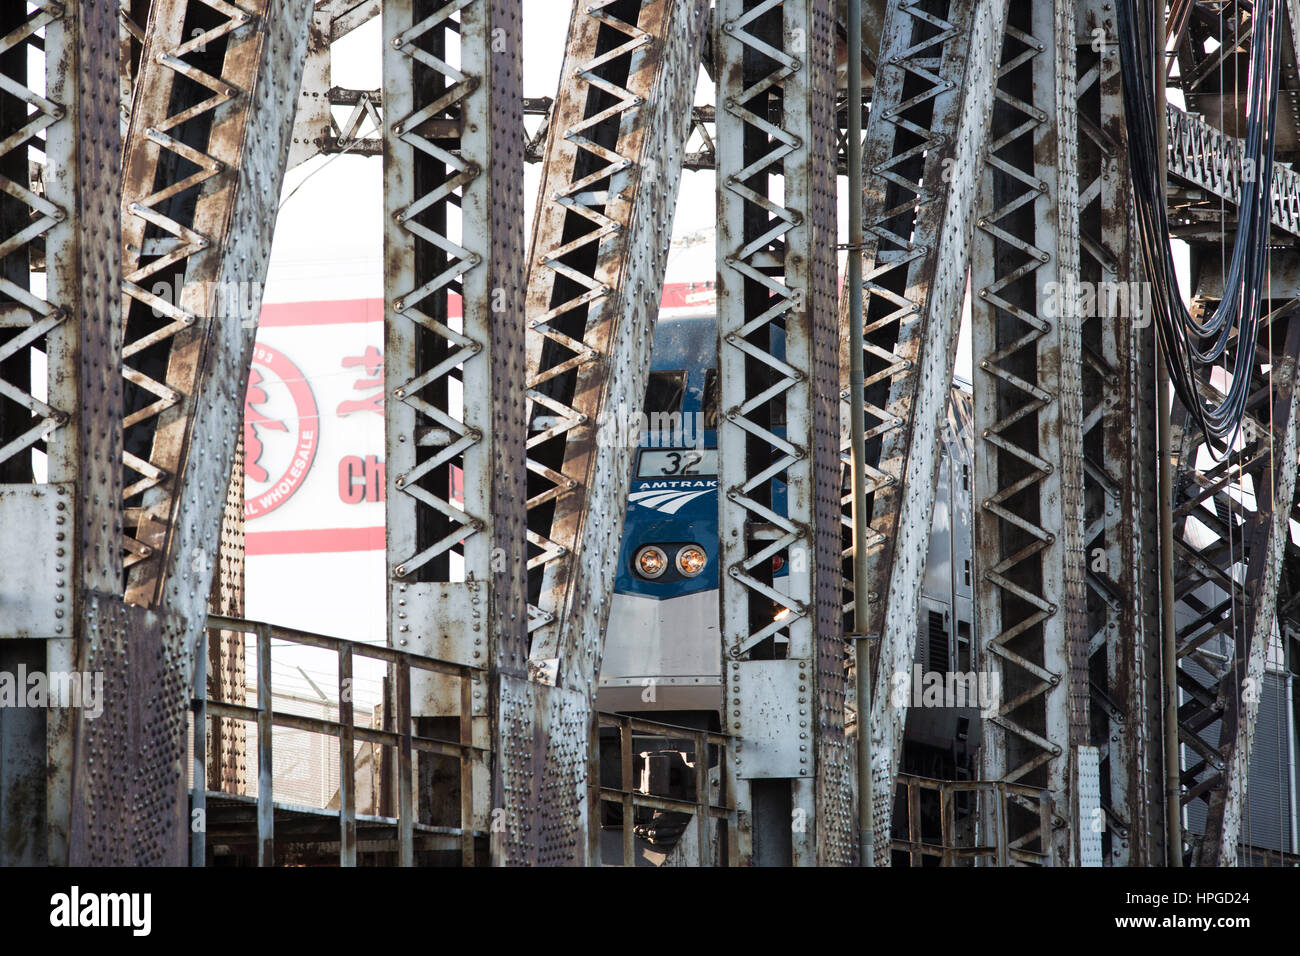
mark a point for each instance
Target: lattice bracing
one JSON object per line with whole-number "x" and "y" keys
{"x": 1230, "y": 534}
{"x": 454, "y": 369}
{"x": 177, "y": 171}
{"x": 441, "y": 429}
{"x": 782, "y": 645}
{"x": 1028, "y": 417}
{"x": 27, "y": 218}
{"x": 923, "y": 157}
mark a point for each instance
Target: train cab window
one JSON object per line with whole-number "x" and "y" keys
{"x": 665, "y": 392}
{"x": 710, "y": 399}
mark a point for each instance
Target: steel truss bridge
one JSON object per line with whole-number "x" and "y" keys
{"x": 147, "y": 140}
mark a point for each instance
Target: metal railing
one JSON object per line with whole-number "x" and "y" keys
{"x": 402, "y": 739}
{"x": 994, "y": 801}
{"x": 632, "y": 794}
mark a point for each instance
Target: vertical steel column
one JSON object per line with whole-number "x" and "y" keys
{"x": 924, "y": 157}
{"x": 1120, "y": 534}
{"x": 1028, "y": 495}
{"x": 453, "y": 202}
{"x": 783, "y": 650}
{"x": 59, "y": 390}
{"x": 595, "y": 276}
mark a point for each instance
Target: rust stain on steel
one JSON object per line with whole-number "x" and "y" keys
{"x": 199, "y": 257}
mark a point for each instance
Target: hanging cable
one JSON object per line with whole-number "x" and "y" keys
{"x": 1192, "y": 345}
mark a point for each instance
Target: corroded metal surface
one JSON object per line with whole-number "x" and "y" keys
{"x": 1030, "y": 613}
{"x": 129, "y": 805}
{"x": 200, "y": 169}
{"x": 923, "y": 156}
{"x": 200, "y": 154}
{"x": 224, "y": 668}
{"x": 58, "y": 70}
{"x": 782, "y": 648}
{"x": 1120, "y": 537}
{"x": 454, "y": 223}
{"x": 596, "y": 268}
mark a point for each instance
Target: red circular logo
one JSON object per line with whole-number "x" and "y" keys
{"x": 281, "y": 432}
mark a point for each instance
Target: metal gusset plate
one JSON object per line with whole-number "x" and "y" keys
{"x": 129, "y": 806}
{"x": 315, "y": 128}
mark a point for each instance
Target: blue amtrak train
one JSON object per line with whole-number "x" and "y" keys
{"x": 662, "y": 647}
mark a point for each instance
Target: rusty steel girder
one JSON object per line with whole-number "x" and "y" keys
{"x": 198, "y": 175}
{"x": 595, "y": 274}
{"x": 202, "y": 166}
{"x": 782, "y": 650}
{"x": 1119, "y": 460}
{"x": 1028, "y": 481}
{"x": 923, "y": 153}
{"x": 453, "y": 198}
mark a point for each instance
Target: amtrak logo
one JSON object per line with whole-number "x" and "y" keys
{"x": 670, "y": 497}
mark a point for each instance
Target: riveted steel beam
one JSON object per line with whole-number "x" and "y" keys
{"x": 1028, "y": 494}
{"x": 595, "y": 271}
{"x": 202, "y": 166}
{"x": 202, "y": 162}
{"x": 782, "y": 646}
{"x": 1207, "y": 157}
{"x": 453, "y": 201}
{"x": 924, "y": 157}
{"x": 1119, "y": 480}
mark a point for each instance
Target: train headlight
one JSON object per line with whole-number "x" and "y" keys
{"x": 691, "y": 560}
{"x": 651, "y": 562}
